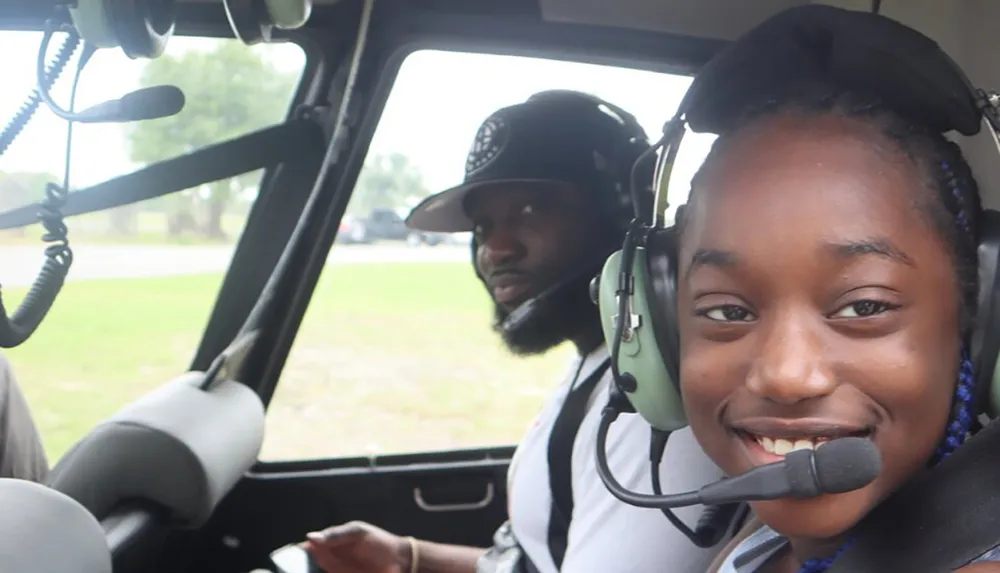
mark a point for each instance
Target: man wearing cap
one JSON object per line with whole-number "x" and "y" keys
{"x": 547, "y": 198}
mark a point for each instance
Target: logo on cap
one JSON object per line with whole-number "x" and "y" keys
{"x": 491, "y": 139}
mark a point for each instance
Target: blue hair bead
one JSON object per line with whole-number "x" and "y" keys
{"x": 962, "y": 419}
{"x": 819, "y": 565}
{"x": 957, "y": 192}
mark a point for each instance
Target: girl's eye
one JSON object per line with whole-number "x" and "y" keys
{"x": 727, "y": 313}
{"x": 863, "y": 309}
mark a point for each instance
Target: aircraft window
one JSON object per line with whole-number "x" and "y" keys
{"x": 396, "y": 353}
{"x": 145, "y": 276}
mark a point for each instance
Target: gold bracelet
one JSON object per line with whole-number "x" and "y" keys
{"x": 414, "y": 555}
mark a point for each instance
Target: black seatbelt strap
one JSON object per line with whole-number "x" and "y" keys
{"x": 560, "y": 455}
{"x": 264, "y": 148}
{"x": 938, "y": 522}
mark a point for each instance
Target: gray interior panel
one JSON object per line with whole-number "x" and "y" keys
{"x": 179, "y": 447}
{"x": 964, "y": 28}
{"x": 717, "y": 19}
{"x": 42, "y": 530}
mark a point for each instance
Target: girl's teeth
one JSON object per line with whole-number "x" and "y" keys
{"x": 781, "y": 446}
{"x": 802, "y": 445}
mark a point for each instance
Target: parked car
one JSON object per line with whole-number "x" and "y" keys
{"x": 353, "y": 231}
{"x": 386, "y": 225}
{"x": 378, "y": 225}
{"x": 418, "y": 238}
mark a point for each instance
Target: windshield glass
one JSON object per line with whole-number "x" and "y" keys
{"x": 144, "y": 276}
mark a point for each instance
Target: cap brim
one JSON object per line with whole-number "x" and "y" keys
{"x": 444, "y": 212}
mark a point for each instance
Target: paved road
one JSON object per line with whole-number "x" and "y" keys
{"x": 19, "y": 265}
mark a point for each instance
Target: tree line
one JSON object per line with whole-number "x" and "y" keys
{"x": 230, "y": 91}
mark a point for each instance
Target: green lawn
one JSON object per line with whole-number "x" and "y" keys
{"x": 150, "y": 229}
{"x": 390, "y": 358}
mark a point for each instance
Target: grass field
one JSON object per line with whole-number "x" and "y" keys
{"x": 150, "y": 229}
{"x": 390, "y": 358}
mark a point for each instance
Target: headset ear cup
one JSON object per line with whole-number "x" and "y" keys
{"x": 253, "y": 21}
{"x": 986, "y": 334}
{"x": 643, "y": 196}
{"x": 655, "y": 396}
{"x": 661, "y": 288}
{"x": 288, "y": 14}
{"x": 246, "y": 22}
{"x": 93, "y": 23}
{"x": 143, "y": 27}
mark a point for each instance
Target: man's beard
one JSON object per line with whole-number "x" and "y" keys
{"x": 554, "y": 320}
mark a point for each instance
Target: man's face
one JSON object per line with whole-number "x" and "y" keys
{"x": 530, "y": 238}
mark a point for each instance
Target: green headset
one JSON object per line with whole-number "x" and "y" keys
{"x": 636, "y": 290}
{"x": 633, "y": 281}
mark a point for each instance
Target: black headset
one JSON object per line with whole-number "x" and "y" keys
{"x": 142, "y": 28}
{"x": 626, "y": 190}
{"x": 253, "y": 21}
{"x": 622, "y": 193}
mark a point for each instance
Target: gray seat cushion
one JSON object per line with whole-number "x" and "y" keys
{"x": 179, "y": 446}
{"x": 44, "y": 530}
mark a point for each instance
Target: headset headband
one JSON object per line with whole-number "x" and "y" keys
{"x": 859, "y": 51}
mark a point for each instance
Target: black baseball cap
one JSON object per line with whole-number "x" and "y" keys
{"x": 553, "y": 137}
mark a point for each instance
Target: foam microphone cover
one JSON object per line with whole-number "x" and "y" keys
{"x": 847, "y": 464}
{"x": 838, "y": 466}
{"x": 152, "y": 103}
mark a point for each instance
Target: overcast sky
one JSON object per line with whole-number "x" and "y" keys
{"x": 435, "y": 107}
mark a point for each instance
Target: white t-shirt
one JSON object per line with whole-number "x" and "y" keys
{"x": 606, "y": 534}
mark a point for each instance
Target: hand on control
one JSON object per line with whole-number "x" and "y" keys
{"x": 358, "y": 547}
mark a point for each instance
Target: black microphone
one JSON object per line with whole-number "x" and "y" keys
{"x": 520, "y": 315}
{"x": 147, "y": 103}
{"x": 837, "y": 466}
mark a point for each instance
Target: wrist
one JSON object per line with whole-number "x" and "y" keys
{"x": 409, "y": 555}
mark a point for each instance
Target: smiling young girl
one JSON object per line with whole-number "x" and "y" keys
{"x": 827, "y": 280}
{"x": 828, "y": 257}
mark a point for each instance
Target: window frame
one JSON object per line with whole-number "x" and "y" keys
{"x": 389, "y": 72}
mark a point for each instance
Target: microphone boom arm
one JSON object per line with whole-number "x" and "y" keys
{"x": 608, "y": 416}
{"x": 839, "y": 466}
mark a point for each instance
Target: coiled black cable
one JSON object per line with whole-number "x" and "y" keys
{"x": 20, "y": 120}
{"x": 17, "y": 328}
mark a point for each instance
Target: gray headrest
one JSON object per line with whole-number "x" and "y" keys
{"x": 44, "y": 530}
{"x": 179, "y": 446}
